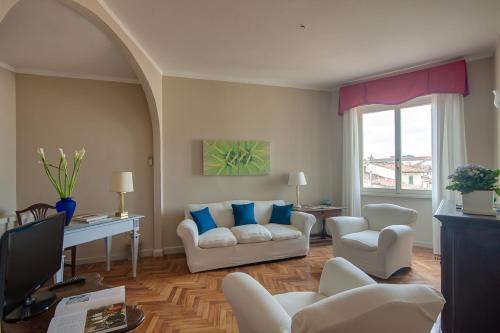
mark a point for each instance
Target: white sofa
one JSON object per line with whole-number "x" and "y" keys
{"x": 227, "y": 246}
{"x": 348, "y": 301}
{"x": 380, "y": 242}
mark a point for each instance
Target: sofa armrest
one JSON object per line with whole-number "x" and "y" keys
{"x": 343, "y": 225}
{"x": 187, "y": 230}
{"x": 340, "y": 275}
{"x": 398, "y": 232}
{"x": 256, "y": 310}
{"x": 303, "y": 221}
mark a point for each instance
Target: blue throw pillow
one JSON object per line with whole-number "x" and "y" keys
{"x": 203, "y": 220}
{"x": 281, "y": 214}
{"x": 243, "y": 214}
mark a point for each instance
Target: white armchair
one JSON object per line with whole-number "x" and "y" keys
{"x": 347, "y": 301}
{"x": 380, "y": 242}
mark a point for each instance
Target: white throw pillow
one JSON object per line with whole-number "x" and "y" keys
{"x": 217, "y": 237}
{"x": 251, "y": 233}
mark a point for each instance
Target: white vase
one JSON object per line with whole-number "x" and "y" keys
{"x": 479, "y": 202}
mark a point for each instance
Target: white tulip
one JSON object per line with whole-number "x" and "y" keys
{"x": 41, "y": 152}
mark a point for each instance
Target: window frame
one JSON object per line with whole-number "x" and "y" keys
{"x": 398, "y": 191}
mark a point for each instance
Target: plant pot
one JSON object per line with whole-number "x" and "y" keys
{"x": 68, "y": 206}
{"x": 479, "y": 203}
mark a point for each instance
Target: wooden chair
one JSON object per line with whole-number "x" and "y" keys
{"x": 39, "y": 211}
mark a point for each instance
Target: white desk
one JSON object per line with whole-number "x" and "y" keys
{"x": 77, "y": 233}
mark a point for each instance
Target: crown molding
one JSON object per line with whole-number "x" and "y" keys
{"x": 7, "y": 67}
{"x": 66, "y": 75}
{"x": 271, "y": 83}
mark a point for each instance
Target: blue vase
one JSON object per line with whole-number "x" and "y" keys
{"x": 67, "y": 205}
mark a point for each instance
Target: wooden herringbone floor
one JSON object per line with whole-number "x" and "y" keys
{"x": 175, "y": 300}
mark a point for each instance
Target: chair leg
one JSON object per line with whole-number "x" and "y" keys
{"x": 73, "y": 261}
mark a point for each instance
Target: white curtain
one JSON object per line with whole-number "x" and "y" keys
{"x": 448, "y": 152}
{"x": 351, "y": 182}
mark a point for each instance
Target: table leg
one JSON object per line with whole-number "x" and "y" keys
{"x": 108, "y": 243}
{"x": 59, "y": 276}
{"x": 323, "y": 229}
{"x": 134, "y": 236}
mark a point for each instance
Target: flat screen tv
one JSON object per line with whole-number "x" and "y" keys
{"x": 30, "y": 255}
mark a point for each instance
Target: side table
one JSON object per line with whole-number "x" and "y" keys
{"x": 40, "y": 324}
{"x": 321, "y": 213}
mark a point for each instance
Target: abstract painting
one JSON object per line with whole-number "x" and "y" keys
{"x": 236, "y": 158}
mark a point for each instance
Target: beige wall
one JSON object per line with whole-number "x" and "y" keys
{"x": 111, "y": 120}
{"x": 298, "y": 123}
{"x": 479, "y": 115}
{"x": 7, "y": 142}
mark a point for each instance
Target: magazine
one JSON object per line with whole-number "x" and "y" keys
{"x": 97, "y": 312}
{"x": 90, "y": 218}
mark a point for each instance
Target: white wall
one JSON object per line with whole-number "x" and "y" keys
{"x": 7, "y": 142}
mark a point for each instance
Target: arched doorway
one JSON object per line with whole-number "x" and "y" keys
{"x": 149, "y": 76}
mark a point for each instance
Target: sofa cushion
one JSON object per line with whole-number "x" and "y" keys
{"x": 203, "y": 220}
{"x": 217, "y": 237}
{"x": 282, "y": 232}
{"x": 251, "y": 233}
{"x": 364, "y": 240}
{"x": 243, "y": 214}
{"x": 281, "y": 214}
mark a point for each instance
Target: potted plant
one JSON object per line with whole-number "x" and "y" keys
{"x": 478, "y": 186}
{"x": 63, "y": 181}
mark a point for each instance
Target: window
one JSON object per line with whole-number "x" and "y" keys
{"x": 396, "y": 148}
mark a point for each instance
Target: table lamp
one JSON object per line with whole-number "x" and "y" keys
{"x": 298, "y": 179}
{"x": 121, "y": 183}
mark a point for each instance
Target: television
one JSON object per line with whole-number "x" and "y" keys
{"x": 30, "y": 255}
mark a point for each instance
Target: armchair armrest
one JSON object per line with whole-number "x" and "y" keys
{"x": 303, "y": 221}
{"x": 389, "y": 235}
{"x": 255, "y": 308}
{"x": 187, "y": 230}
{"x": 340, "y": 275}
{"x": 343, "y": 225}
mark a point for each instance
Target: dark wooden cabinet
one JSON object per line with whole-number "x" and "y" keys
{"x": 470, "y": 271}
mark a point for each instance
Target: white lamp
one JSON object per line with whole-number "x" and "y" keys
{"x": 121, "y": 183}
{"x": 297, "y": 179}
{"x": 496, "y": 100}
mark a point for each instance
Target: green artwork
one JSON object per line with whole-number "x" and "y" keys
{"x": 236, "y": 158}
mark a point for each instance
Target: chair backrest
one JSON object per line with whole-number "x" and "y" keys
{"x": 222, "y": 212}
{"x": 256, "y": 310}
{"x": 380, "y": 216}
{"x": 373, "y": 308}
{"x": 39, "y": 211}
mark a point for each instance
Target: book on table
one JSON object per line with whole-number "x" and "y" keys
{"x": 90, "y": 218}
{"x": 96, "y": 312}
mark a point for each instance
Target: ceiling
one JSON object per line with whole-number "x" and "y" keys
{"x": 257, "y": 41}
{"x": 46, "y": 37}
{"x": 261, "y": 40}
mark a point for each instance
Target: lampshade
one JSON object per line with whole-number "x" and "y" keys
{"x": 121, "y": 181}
{"x": 496, "y": 100}
{"x": 297, "y": 178}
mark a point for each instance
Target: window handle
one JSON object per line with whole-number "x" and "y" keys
{"x": 398, "y": 164}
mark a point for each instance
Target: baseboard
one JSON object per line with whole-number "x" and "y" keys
{"x": 116, "y": 256}
{"x": 157, "y": 252}
{"x": 173, "y": 249}
{"x": 427, "y": 245}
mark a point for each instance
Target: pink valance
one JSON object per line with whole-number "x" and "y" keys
{"x": 445, "y": 79}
